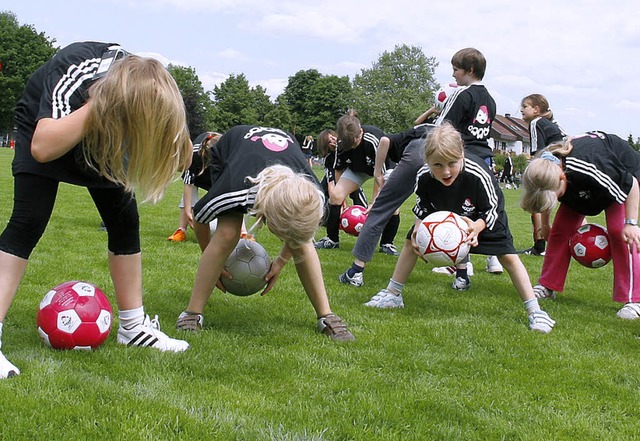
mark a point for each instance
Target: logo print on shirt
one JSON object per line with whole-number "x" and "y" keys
{"x": 274, "y": 140}
{"x": 468, "y": 208}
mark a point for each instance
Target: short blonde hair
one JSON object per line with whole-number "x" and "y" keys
{"x": 444, "y": 142}
{"x": 136, "y": 131}
{"x": 540, "y": 181}
{"x": 290, "y": 203}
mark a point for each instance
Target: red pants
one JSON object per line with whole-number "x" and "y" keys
{"x": 626, "y": 265}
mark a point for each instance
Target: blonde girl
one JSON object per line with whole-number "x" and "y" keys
{"x": 98, "y": 117}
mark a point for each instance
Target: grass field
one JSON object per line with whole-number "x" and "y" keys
{"x": 449, "y": 366}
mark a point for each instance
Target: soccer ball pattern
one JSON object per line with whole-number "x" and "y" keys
{"x": 590, "y": 246}
{"x": 352, "y": 219}
{"x": 444, "y": 93}
{"x": 74, "y": 315}
{"x": 441, "y": 238}
{"x": 248, "y": 263}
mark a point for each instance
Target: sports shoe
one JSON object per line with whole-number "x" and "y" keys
{"x": 543, "y": 293}
{"x": 148, "y": 334}
{"x": 390, "y": 249}
{"x": 356, "y": 280}
{"x": 334, "y": 327}
{"x": 326, "y": 243}
{"x": 385, "y": 299}
{"x": 541, "y": 322}
{"x": 533, "y": 251}
{"x": 461, "y": 284}
{"x": 190, "y": 322}
{"x": 178, "y": 236}
{"x": 451, "y": 270}
{"x": 493, "y": 265}
{"x": 630, "y": 311}
{"x": 7, "y": 369}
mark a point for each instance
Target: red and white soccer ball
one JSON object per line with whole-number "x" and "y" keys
{"x": 590, "y": 246}
{"x": 352, "y": 219}
{"x": 443, "y": 93}
{"x": 441, "y": 238}
{"x": 248, "y": 263}
{"x": 74, "y": 315}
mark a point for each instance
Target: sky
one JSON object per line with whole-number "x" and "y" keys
{"x": 583, "y": 55}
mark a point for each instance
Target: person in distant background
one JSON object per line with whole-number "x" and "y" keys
{"x": 307, "y": 149}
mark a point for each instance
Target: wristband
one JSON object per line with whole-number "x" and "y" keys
{"x": 633, "y": 222}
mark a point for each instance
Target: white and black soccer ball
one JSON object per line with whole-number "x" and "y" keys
{"x": 441, "y": 238}
{"x": 248, "y": 264}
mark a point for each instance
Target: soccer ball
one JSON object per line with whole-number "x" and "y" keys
{"x": 248, "y": 263}
{"x": 590, "y": 246}
{"x": 442, "y": 94}
{"x": 352, "y": 219}
{"x": 74, "y": 315}
{"x": 441, "y": 238}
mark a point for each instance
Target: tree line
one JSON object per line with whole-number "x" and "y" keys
{"x": 390, "y": 94}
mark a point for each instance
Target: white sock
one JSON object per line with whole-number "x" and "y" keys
{"x": 532, "y": 305}
{"x": 130, "y": 318}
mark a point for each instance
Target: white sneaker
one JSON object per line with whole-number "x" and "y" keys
{"x": 494, "y": 266}
{"x": 356, "y": 280}
{"x": 461, "y": 284}
{"x": 630, "y": 311}
{"x": 541, "y": 322}
{"x": 451, "y": 270}
{"x": 543, "y": 293}
{"x": 7, "y": 369}
{"x": 385, "y": 299}
{"x": 148, "y": 334}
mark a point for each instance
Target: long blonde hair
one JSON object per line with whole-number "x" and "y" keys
{"x": 290, "y": 203}
{"x": 136, "y": 130}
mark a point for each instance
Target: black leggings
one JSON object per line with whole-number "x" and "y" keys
{"x": 33, "y": 201}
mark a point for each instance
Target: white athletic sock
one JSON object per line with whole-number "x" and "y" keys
{"x": 130, "y": 318}
{"x": 394, "y": 287}
{"x": 532, "y": 305}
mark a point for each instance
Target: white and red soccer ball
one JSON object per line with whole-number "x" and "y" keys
{"x": 248, "y": 264}
{"x": 590, "y": 246}
{"x": 74, "y": 315}
{"x": 441, "y": 238}
{"x": 352, "y": 219}
{"x": 443, "y": 94}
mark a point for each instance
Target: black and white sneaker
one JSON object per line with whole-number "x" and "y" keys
{"x": 148, "y": 334}
{"x": 390, "y": 249}
{"x": 7, "y": 369}
{"x": 327, "y": 244}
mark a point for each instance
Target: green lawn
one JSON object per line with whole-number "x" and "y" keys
{"x": 449, "y": 366}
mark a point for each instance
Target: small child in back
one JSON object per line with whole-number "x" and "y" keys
{"x": 453, "y": 180}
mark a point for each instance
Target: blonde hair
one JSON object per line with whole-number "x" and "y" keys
{"x": 136, "y": 131}
{"x": 540, "y": 181}
{"x": 444, "y": 142}
{"x": 290, "y": 203}
{"x": 348, "y": 128}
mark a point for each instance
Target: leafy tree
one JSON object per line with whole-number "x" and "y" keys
{"x": 196, "y": 101}
{"x": 280, "y": 116}
{"x": 396, "y": 89}
{"x": 22, "y": 51}
{"x": 236, "y": 103}
{"x": 316, "y": 101}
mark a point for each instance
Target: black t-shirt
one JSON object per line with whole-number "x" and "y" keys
{"x": 399, "y": 141}
{"x": 600, "y": 170}
{"x": 244, "y": 151}
{"x": 543, "y": 132}
{"x": 471, "y": 110}
{"x": 362, "y": 158}
{"x": 54, "y": 90}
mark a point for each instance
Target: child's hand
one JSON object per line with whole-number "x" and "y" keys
{"x": 274, "y": 271}
{"x": 474, "y": 229}
{"x": 224, "y": 273}
{"x": 631, "y": 235}
{"x": 414, "y": 245}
